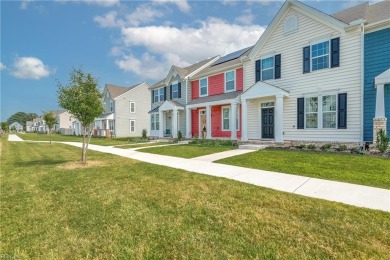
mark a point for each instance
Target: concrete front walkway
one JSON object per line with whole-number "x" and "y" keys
{"x": 352, "y": 194}
{"x": 218, "y": 156}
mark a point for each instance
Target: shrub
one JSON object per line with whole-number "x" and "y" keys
{"x": 355, "y": 150}
{"x": 311, "y": 146}
{"x": 179, "y": 135}
{"x": 382, "y": 141}
{"x": 301, "y": 146}
{"x": 326, "y": 147}
{"x": 342, "y": 147}
{"x": 144, "y": 134}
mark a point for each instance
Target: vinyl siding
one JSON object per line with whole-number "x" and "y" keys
{"x": 343, "y": 79}
{"x": 141, "y": 96}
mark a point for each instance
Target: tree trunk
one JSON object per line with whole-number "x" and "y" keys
{"x": 88, "y": 139}
{"x": 50, "y": 136}
{"x": 83, "y": 159}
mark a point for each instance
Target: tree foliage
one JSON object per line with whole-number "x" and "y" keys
{"x": 82, "y": 98}
{"x": 50, "y": 121}
{"x": 382, "y": 141}
{"x": 4, "y": 126}
{"x": 21, "y": 118}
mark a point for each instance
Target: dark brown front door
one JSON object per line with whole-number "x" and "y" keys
{"x": 267, "y": 122}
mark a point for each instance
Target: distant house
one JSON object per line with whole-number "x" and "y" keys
{"x": 16, "y": 127}
{"x": 64, "y": 121}
{"x": 126, "y": 111}
{"x": 29, "y": 125}
{"x": 39, "y": 125}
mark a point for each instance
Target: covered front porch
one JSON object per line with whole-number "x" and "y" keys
{"x": 262, "y": 112}
{"x": 382, "y": 83}
{"x": 105, "y": 125}
{"x": 170, "y": 113}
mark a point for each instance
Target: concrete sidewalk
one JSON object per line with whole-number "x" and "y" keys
{"x": 352, "y": 194}
{"x": 14, "y": 138}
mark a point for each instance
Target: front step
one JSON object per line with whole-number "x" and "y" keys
{"x": 254, "y": 147}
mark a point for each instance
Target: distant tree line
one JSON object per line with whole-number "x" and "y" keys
{"x": 21, "y": 118}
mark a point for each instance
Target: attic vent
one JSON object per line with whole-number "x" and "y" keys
{"x": 290, "y": 24}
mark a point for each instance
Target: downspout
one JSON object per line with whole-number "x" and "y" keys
{"x": 362, "y": 82}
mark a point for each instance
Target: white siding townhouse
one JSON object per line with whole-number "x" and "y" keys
{"x": 303, "y": 79}
{"x": 126, "y": 111}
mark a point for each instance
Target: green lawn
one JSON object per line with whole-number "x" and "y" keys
{"x": 122, "y": 208}
{"x": 138, "y": 145}
{"x": 72, "y": 138}
{"x": 365, "y": 170}
{"x": 187, "y": 151}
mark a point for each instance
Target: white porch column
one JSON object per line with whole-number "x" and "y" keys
{"x": 233, "y": 128}
{"x": 380, "y": 101}
{"x": 188, "y": 122}
{"x": 208, "y": 122}
{"x": 174, "y": 123}
{"x": 244, "y": 118}
{"x": 279, "y": 119}
{"x": 161, "y": 123}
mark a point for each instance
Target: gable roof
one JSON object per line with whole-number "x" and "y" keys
{"x": 308, "y": 10}
{"x": 371, "y": 13}
{"x": 184, "y": 72}
{"x": 116, "y": 91}
{"x": 223, "y": 63}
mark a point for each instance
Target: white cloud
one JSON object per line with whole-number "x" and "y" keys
{"x": 183, "y": 5}
{"x": 166, "y": 46}
{"x": 104, "y": 3}
{"x": 2, "y": 66}
{"x": 30, "y": 68}
{"x": 229, "y": 2}
{"x": 108, "y": 20}
{"x": 246, "y": 18}
{"x": 24, "y": 4}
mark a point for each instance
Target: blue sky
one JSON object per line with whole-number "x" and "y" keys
{"x": 119, "y": 42}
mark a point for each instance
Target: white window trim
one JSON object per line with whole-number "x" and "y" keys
{"x": 234, "y": 89}
{"x": 158, "y": 95}
{"x": 177, "y": 91}
{"x": 224, "y": 107}
{"x": 329, "y": 53}
{"x": 238, "y": 117}
{"x": 200, "y": 123}
{"x": 320, "y": 111}
{"x": 132, "y": 120}
{"x": 261, "y": 68}
{"x": 111, "y": 106}
{"x": 155, "y": 121}
{"x": 207, "y": 87}
{"x": 132, "y": 102}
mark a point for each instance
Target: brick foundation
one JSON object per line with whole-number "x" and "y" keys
{"x": 379, "y": 123}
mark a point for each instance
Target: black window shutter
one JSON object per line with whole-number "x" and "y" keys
{"x": 258, "y": 70}
{"x": 165, "y": 93}
{"x": 170, "y": 92}
{"x": 335, "y": 53}
{"x": 179, "y": 89}
{"x": 301, "y": 113}
{"x": 278, "y": 62}
{"x": 153, "y": 96}
{"x": 342, "y": 111}
{"x": 306, "y": 59}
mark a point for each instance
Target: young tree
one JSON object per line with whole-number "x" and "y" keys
{"x": 50, "y": 121}
{"x": 4, "y": 126}
{"x": 82, "y": 98}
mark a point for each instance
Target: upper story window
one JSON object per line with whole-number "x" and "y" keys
{"x": 203, "y": 85}
{"x": 320, "y": 56}
{"x": 158, "y": 94}
{"x": 175, "y": 90}
{"x": 111, "y": 106}
{"x": 267, "y": 68}
{"x": 230, "y": 82}
{"x": 107, "y": 94}
{"x": 132, "y": 107}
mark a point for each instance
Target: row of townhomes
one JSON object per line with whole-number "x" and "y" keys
{"x": 64, "y": 123}
{"x": 310, "y": 77}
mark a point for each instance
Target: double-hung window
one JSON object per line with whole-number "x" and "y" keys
{"x": 132, "y": 126}
{"x": 267, "y": 68}
{"x": 155, "y": 122}
{"x": 329, "y": 107}
{"x": 175, "y": 91}
{"x": 320, "y": 56}
{"x": 203, "y": 91}
{"x": 321, "y": 112}
{"x": 111, "y": 106}
{"x": 312, "y": 112}
{"x": 132, "y": 107}
{"x": 230, "y": 83}
{"x": 225, "y": 118}
{"x": 158, "y": 95}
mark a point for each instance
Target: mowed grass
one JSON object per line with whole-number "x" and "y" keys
{"x": 138, "y": 145}
{"x": 187, "y": 151}
{"x": 127, "y": 209}
{"x": 358, "y": 169}
{"x": 72, "y": 138}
